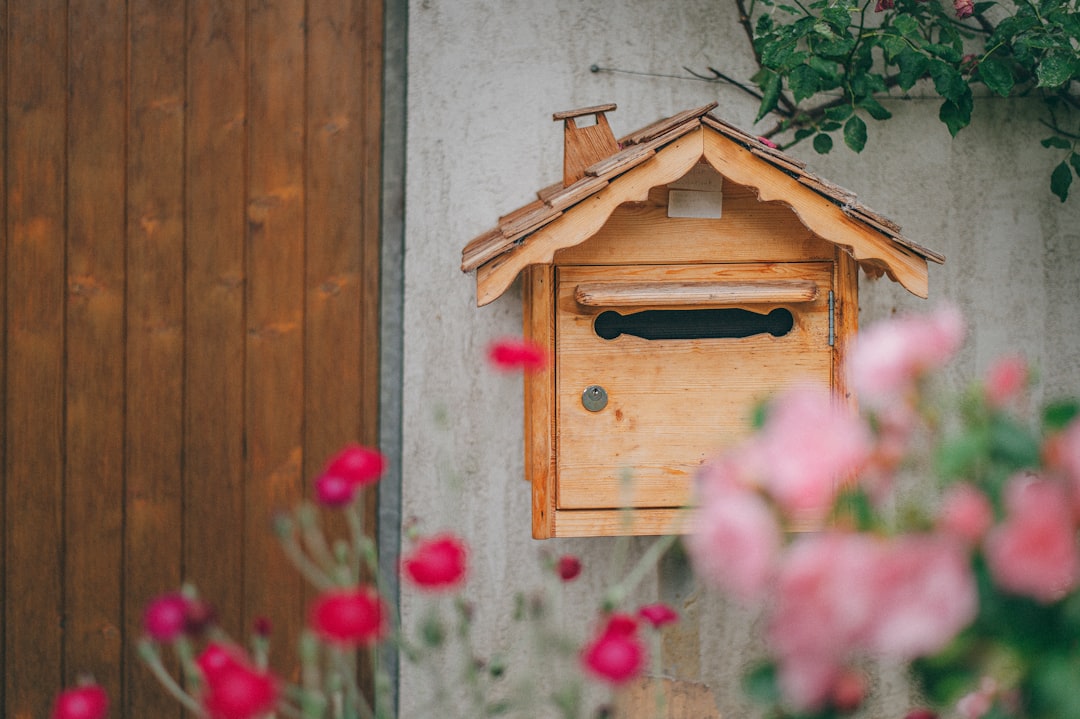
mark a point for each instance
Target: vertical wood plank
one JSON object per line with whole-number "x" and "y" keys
{"x": 275, "y": 306}
{"x": 33, "y": 542}
{"x": 5, "y": 63}
{"x": 94, "y": 423}
{"x": 540, "y": 439}
{"x": 333, "y": 222}
{"x": 846, "y": 293}
{"x": 155, "y": 299}
{"x": 214, "y": 333}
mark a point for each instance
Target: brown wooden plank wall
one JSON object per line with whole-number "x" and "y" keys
{"x": 189, "y": 246}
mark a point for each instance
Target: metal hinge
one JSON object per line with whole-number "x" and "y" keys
{"x": 832, "y": 319}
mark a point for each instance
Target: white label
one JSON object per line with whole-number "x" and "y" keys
{"x": 700, "y": 177}
{"x": 693, "y": 203}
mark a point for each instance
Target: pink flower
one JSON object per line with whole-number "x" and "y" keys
{"x": 1005, "y": 380}
{"x": 515, "y": 354}
{"x": 234, "y": 689}
{"x": 925, "y": 595}
{"x": 568, "y": 567}
{"x": 1062, "y": 454}
{"x": 85, "y": 702}
{"x": 240, "y": 693}
{"x": 333, "y": 490}
{"x": 360, "y": 466}
{"x": 736, "y": 538}
{"x": 349, "y": 617}
{"x": 978, "y": 703}
{"x": 883, "y": 5}
{"x": 436, "y": 563}
{"x": 964, "y": 8}
{"x": 921, "y": 714}
{"x": 848, "y": 691}
{"x": 1033, "y": 552}
{"x": 165, "y": 617}
{"x": 617, "y": 654}
{"x": 810, "y": 444}
{"x": 965, "y": 513}
{"x": 890, "y": 357}
{"x": 767, "y": 142}
{"x": 658, "y": 615}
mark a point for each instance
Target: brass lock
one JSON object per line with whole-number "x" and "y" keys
{"x": 594, "y": 398}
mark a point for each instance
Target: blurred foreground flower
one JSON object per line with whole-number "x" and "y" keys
{"x": 83, "y": 702}
{"x": 517, "y": 354}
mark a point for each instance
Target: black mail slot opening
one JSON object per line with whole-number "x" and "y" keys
{"x": 693, "y": 324}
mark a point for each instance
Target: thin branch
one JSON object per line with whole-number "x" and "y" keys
{"x": 1058, "y": 131}
{"x": 748, "y": 28}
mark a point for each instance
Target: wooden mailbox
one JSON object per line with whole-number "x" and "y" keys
{"x": 677, "y": 277}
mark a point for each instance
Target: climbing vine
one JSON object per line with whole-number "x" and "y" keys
{"x": 825, "y": 65}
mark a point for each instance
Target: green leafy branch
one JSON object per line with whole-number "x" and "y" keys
{"x": 824, "y": 65}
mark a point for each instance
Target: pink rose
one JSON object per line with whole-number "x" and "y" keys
{"x": 810, "y": 443}
{"x": 978, "y": 703}
{"x": 1033, "y": 552}
{"x": 966, "y": 513}
{"x": 436, "y": 563}
{"x": 1062, "y": 454}
{"x": 736, "y": 539}
{"x": 925, "y": 595}
{"x": 890, "y": 357}
{"x": 883, "y": 5}
{"x": 964, "y": 8}
{"x": 1005, "y": 381}
{"x": 617, "y": 654}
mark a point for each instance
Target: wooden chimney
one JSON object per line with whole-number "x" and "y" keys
{"x": 584, "y": 146}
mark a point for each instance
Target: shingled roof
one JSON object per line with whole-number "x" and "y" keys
{"x": 496, "y": 248}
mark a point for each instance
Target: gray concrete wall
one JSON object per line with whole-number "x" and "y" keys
{"x": 484, "y": 77}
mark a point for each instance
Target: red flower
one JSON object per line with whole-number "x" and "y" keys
{"x": 85, "y": 702}
{"x": 333, "y": 490}
{"x": 658, "y": 615}
{"x": 262, "y": 627}
{"x": 349, "y": 617}
{"x": 436, "y": 563}
{"x": 515, "y": 354}
{"x": 568, "y": 567}
{"x": 240, "y": 693}
{"x": 165, "y": 617}
{"x": 357, "y": 465}
{"x": 617, "y": 655}
{"x": 234, "y": 689}
{"x": 883, "y": 5}
{"x": 921, "y": 714}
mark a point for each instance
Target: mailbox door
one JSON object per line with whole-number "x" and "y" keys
{"x": 653, "y": 376}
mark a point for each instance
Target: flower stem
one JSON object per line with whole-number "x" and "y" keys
{"x": 152, "y": 659}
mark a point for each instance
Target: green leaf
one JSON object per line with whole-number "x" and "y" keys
{"x": 804, "y": 132}
{"x": 996, "y": 75}
{"x": 1059, "y": 142}
{"x": 956, "y": 115}
{"x": 1055, "y": 69}
{"x": 913, "y": 65}
{"x": 822, "y": 143}
{"x": 1010, "y": 27}
{"x": 893, "y": 45}
{"x": 838, "y": 17}
{"x": 981, "y": 7}
{"x": 947, "y": 81}
{"x": 945, "y": 52}
{"x": 827, "y": 70}
{"x": 855, "y": 133}
{"x": 840, "y": 112}
{"x": 1060, "y": 180}
{"x": 958, "y": 457}
{"x": 1059, "y": 414}
{"x": 1074, "y": 160}
{"x": 760, "y": 684}
{"x": 829, "y": 126}
{"x": 770, "y": 95}
{"x": 908, "y": 26}
{"x": 874, "y": 108}
{"x": 804, "y": 82}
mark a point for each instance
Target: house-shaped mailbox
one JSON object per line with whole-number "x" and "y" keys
{"x": 677, "y": 277}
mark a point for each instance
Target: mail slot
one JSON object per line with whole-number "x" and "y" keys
{"x": 677, "y": 276}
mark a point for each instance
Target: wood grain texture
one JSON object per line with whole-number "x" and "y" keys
{"x": 94, "y": 370}
{"x": 620, "y": 522}
{"x": 214, "y": 337}
{"x": 585, "y": 145}
{"x": 823, "y": 217}
{"x": 34, "y": 267}
{"x": 847, "y": 322}
{"x": 5, "y": 525}
{"x": 672, "y": 403}
{"x": 539, "y": 327}
{"x": 575, "y": 227}
{"x": 703, "y": 293}
{"x": 155, "y": 320}
{"x": 275, "y": 312}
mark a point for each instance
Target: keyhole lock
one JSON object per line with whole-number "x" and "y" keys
{"x": 594, "y": 398}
